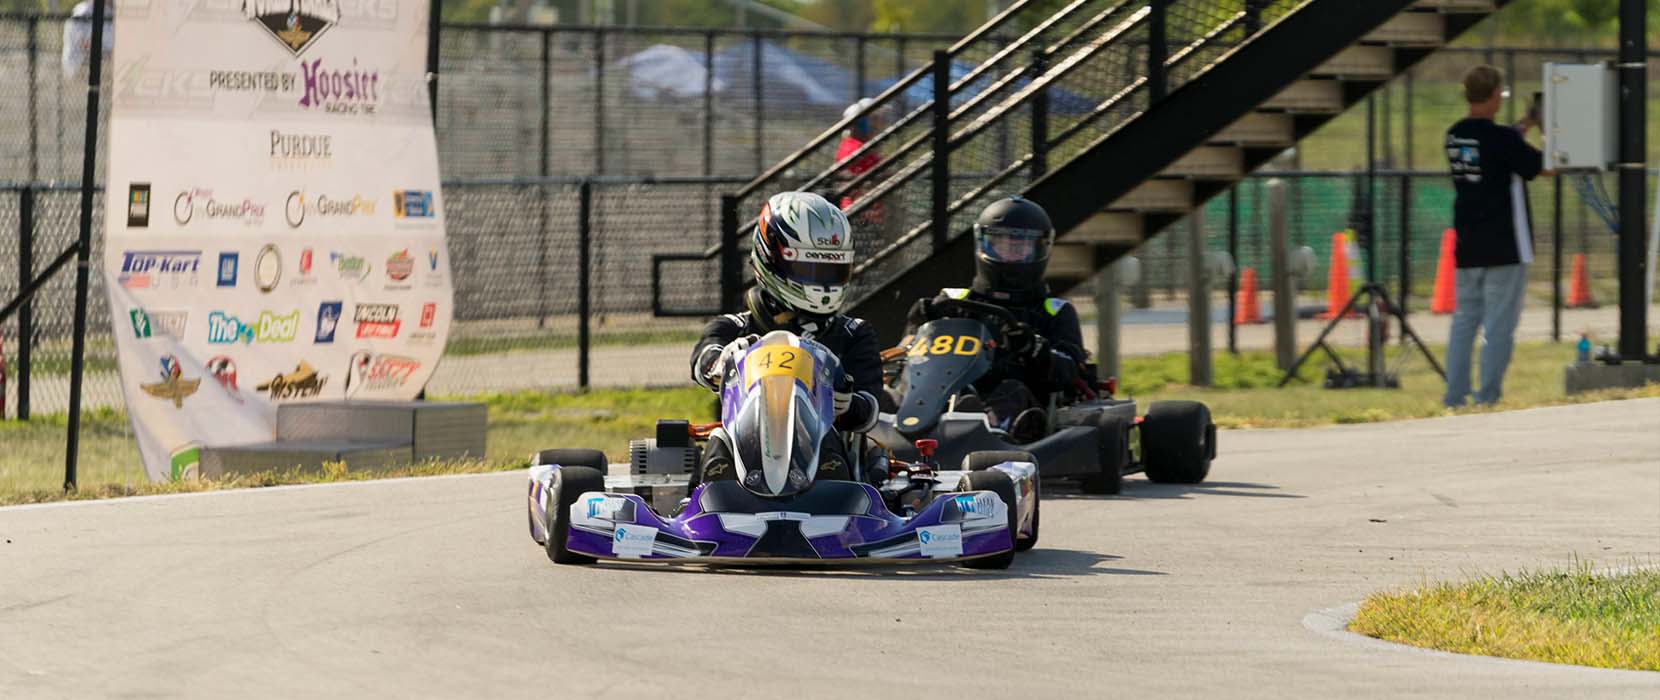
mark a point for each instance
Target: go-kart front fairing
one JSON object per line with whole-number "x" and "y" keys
{"x": 832, "y": 521}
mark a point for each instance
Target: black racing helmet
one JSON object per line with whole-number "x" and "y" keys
{"x": 1012, "y": 239}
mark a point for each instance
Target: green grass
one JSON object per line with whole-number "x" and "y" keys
{"x": 563, "y": 339}
{"x": 1569, "y": 616}
{"x": 31, "y": 466}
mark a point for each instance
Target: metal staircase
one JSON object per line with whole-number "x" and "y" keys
{"x": 1119, "y": 117}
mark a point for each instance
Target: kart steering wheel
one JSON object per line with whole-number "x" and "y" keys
{"x": 997, "y": 319}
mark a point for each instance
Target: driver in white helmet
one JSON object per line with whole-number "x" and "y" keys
{"x": 802, "y": 257}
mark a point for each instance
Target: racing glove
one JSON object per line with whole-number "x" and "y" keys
{"x": 844, "y": 401}
{"x": 719, "y": 359}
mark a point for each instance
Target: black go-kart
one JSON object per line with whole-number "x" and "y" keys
{"x": 1091, "y": 437}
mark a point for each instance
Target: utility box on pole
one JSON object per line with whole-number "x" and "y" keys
{"x": 1580, "y": 117}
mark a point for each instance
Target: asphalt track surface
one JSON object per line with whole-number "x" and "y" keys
{"x": 431, "y": 588}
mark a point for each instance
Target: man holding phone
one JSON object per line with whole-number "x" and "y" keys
{"x": 1489, "y": 164}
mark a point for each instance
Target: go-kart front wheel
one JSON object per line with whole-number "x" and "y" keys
{"x": 569, "y": 483}
{"x": 999, "y": 483}
{"x": 1177, "y": 439}
{"x": 1112, "y": 435}
{"x": 981, "y": 461}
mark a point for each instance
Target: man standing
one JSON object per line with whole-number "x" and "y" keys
{"x": 1495, "y": 237}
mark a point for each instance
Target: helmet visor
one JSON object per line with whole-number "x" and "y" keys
{"x": 1012, "y": 245}
{"x": 817, "y": 268}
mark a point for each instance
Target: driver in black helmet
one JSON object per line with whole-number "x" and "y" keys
{"x": 1012, "y": 239}
{"x": 802, "y": 257}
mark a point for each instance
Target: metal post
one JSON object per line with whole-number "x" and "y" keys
{"x": 435, "y": 11}
{"x": 730, "y": 282}
{"x": 1040, "y": 118}
{"x": 599, "y": 101}
{"x": 1406, "y": 246}
{"x": 1510, "y": 77}
{"x": 1107, "y": 314}
{"x": 1157, "y": 51}
{"x": 584, "y": 274}
{"x": 755, "y": 77}
{"x": 1406, "y": 121}
{"x": 941, "y": 143}
{"x": 25, "y": 313}
{"x": 1285, "y": 285}
{"x": 1233, "y": 275}
{"x": 709, "y": 104}
{"x": 1556, "y": 259}
{"x": 1633, "y": 92}
{"x": 1198, "y": 303}
{"x": 89, "y": 162}
{"x": 1253, "y": 16}
{"x": 858, "y": 67}
{"x": 543, "y": 167}
{"x": 34, "y": 130}
{"x": 899, "y": 70}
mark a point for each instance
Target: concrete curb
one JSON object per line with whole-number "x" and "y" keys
{"x": 1333, "y": 623}
{"x": 119, "y": 500}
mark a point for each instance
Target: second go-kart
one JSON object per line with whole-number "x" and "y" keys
{"x": 1095, "y": 439}
{"x": 777, "y": 422}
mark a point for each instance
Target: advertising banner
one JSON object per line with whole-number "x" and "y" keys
{"x": 274, "y": 226}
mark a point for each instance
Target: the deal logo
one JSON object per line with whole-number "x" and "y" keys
{"x": 199, "y": 200}
{"x": 399, "y": 266}
{"x": 138, "y": 205}
{"x": 223, "y": 371}
{"x": 325, "y": 207}
{"x": 372, "y": 372}
{"x": 302, "y": 383}
{"x": 167, "y": 324}
{"x": 225, "y": 329}
{"x": 377, "y": 321}
{"x": 154, "y": 269}
{"x": 351, "y": 267}
{"x": 328, "y": 318}
{"x": 173, "y": 386}
{"x": 296, "y": 24}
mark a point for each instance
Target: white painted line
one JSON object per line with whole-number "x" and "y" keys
{"x": 1334, "y": 623}
{"x": 118, "y": 500}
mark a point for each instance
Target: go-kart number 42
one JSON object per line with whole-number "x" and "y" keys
{"x": 947, "y": 345}
{"x": 778, "y": 361}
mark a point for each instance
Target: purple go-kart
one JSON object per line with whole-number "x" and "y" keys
{"x": 776, "y": 410}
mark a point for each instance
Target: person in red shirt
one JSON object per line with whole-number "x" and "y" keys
{"x": 857, "y": 134}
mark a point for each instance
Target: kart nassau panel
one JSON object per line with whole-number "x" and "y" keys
{"x": 946, "y": 356}
{"x": 835, "y": 520}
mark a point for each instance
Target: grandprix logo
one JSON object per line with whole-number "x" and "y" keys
{"x": 377, "y": 321}
{"x": 323, "y": 206}
{"x": 224, "y": 329}
{"x": 295, "y": 24}
{"x": 374, "y": 372}
{"x": 153, "y": 269}
{"x": 198, "y": 199}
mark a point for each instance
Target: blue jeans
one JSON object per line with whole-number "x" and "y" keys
{"x": 1489, "y": 298}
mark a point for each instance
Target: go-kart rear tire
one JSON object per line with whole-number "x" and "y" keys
{"x": 1112, "y": 433}
{"x": 568, "y": 484}
{"x": 981, "y": 461}
{"x": 1176, "y": 437}
{"x": 574, "y": 457}
{"x": 1000, "y": 484}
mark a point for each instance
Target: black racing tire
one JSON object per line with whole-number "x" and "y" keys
{"x": 981, "y": 461}
{"x": 568, "y": 484}
{"x": 1177, "y": 438}
{"x": 1000, "y": 484}
{"x": 574, "y": 457}
{"x": 1112, "y": 434}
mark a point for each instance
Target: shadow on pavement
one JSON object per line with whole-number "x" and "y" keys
{"x": 1141, "y": 488}
{"x": 1038, "y": 563}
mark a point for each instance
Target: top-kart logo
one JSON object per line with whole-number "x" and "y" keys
{"x": 150, "y": 269}
{"x": 201, "y": 200}
{"x": 296, "y": 24}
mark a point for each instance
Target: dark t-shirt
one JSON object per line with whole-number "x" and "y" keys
{"x": 1489, "y": 164}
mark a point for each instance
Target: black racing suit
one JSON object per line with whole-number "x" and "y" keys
{"x": 1013, "y": 386}
{"x": 851, "y": 340}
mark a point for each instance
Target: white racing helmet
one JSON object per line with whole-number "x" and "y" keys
{"x": 802, "y": 252}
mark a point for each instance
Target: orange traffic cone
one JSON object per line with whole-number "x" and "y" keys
{"x": 1245, "y": 306}
{"x": 1444, "y": 300}
{"x": 1337, "y": 278}
{"x": 1579, "y": 289}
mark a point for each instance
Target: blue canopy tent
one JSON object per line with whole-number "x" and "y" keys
{"x": 788, "y": 78}
{"x": 662, "y": 71}
{"x": 1060, "y": 101}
